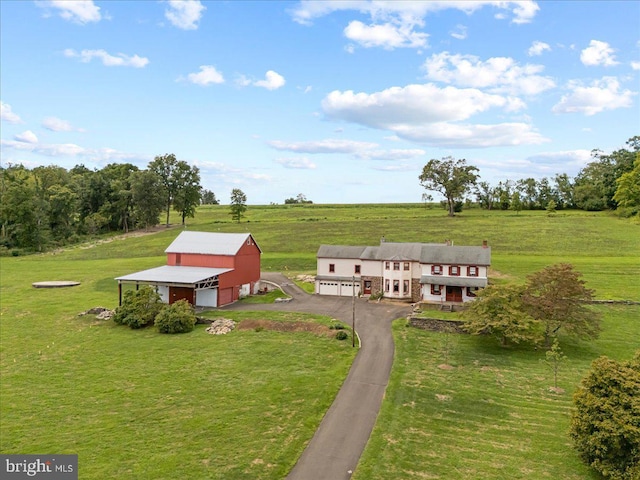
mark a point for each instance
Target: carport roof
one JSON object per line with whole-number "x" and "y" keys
{"x": 174, "y": 274}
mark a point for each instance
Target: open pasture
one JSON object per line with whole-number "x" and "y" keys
{"x": 136, "y": 404}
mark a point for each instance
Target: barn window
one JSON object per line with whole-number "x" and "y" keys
{"x": 435, "y": 289}
{"x": 436, "y": 269}
{"x": 454, "y": 270}
{"x": 332, "y": 267}
{"x": 357, "y": 269}
{"x": 472, "y": 271}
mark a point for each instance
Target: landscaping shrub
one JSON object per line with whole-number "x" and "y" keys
{"x": 342, "y": 335}
{"x": 605, "y": 426}
{"x": 139, "y": 308}
{"x": 178, "y": 317}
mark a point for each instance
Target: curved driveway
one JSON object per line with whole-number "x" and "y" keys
{"x": 335, "y": 449}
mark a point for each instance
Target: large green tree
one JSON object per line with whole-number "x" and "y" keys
{"x": 188, "y": 193}
{"x": 605, "y": 425}
{"x": 498, "y": 311}
{"x": 628, "y": 189}
{"x": 556, "y": 296}
{"x": 238, "y": 204}
{"x": 450, "y": 177}
{"x": 147, "y": 197}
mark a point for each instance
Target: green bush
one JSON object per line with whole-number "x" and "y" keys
{"x": 178, "y": 317}
{"x": 605, "y": 425}
{"x": 342, "y": 335}
{"x": 139, "y": 308}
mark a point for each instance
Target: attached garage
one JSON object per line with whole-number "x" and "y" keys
{"x": 337, "y": 287}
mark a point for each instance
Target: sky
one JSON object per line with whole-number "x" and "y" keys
{"x": 341, "y": 101}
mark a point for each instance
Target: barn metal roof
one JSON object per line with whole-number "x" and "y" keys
{"x": 210, "y": 243}
{"x": 174, "y": 274}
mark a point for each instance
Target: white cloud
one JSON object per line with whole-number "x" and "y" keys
{"x": 392, "y": 154}
{"x": 387, "y": 35}
{"x": 452, "y": 135}
{"x": 272, "y": 81}
{"x": 537, "y": 48}
{"x": 460, "y": 32}
{"x": 26, "y": 137}
{"x": 108, "y": 60}
{"x": 598, "y": 53}
{"x": 70, "y": 150}
{"x": 57, "y": 125}
{"x": 498, "y": 74}
{"x": 413, "y": 104}
{"x": 635, "y": 65}
{"x": 184, "y": 14}
{"x": 242, "y": 81}
{"x": 426, "y": 114}
{"x": 302, "y": 163}
{"x": 603, "y": 94}
{"x": 206, "y": 76}
{"x": 569, "y": 158}
{"x": 408, "y": 12}
{"x": 8, "y": 115}
{"x": 76, "y": 11}
{"x": 330, "y": 145}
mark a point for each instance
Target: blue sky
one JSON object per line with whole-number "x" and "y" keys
{"x": 342, "y": 101}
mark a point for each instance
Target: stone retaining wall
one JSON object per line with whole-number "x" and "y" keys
{"x": 436, "y": 324}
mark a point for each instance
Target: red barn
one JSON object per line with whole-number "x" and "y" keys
{"x": 207, "y": 269}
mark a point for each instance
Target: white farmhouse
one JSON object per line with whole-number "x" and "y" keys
{"x": 429, "y": 272}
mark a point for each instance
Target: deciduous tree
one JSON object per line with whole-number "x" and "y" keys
{"x": 452, "y": 178}
{"x": 605, "y": 425}
{"x": 556, "y": 297}
{"x": 498, "y": 311}
{"x": 238, "y": 204}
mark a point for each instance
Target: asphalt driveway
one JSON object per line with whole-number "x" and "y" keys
{"x": 334, "y": 450}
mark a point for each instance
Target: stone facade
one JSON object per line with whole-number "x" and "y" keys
{"x": 376, "y": 284}
{"x": 416, "y": 290}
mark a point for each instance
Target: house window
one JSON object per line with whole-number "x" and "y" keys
{"x": 454, "y": 270}
{"x": 405, "y": 287}
{"x": 357, "y": 269}
{"x": 396, "y": 265}
{"x": 332, "y": 267}
{"x": 471, "y": 291}
{"x": 386, "y": 285}
{"x": 396, "y": 286}
{"x": 435, "y": 289}
{"x": 406, "y": 266}
{"x": 386, "y": 265}
{"x": 436, "y": 269}
{"x": 472, "y": 271}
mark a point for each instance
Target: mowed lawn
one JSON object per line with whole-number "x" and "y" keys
{"x": 137, "y": 404}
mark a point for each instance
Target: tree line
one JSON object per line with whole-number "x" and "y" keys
{"x": 608, "y": 182}
{"x": 50, "y": 205}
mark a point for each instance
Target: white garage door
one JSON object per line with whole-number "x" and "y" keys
{"x": 328, "y": 288}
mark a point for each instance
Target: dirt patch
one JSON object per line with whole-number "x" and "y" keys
{"x": 286, "y": 326}
{"x": 445, "y": 366}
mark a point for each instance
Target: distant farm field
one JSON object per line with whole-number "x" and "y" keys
{"x": 136, "y": 404}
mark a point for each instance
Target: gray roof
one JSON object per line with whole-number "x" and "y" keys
{"x": 171, "y": 274}
{"x": 417, "y": 252}
{"x": 209, "y": 243}
{"x": 454, "y": 281}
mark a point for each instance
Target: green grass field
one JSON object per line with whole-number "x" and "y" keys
{"x": 137, "y": 404}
